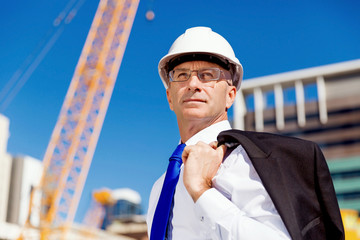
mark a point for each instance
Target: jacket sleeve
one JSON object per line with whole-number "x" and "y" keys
{"x": 327, "y": 198}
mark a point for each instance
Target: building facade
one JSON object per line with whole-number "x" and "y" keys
{"x": 5, "y": 167}
{"x": 26, "y": 174}
{"x": 320, "y": 104}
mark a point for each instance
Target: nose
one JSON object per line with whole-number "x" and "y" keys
{"x": 194, "y": 81}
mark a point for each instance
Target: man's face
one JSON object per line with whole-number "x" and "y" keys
{"x": 198, "y": 100}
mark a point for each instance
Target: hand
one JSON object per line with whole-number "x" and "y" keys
{"x": 201, "y": 163}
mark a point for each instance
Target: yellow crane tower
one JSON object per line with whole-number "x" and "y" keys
{"x": 74, "y": 138}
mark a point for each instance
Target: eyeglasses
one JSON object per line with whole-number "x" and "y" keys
{"x": 204, "y": 74}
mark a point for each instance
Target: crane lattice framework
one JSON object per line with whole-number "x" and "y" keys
{"x": 74, "y": 138}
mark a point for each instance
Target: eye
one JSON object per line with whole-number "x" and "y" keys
{"x": 207, "y": 74}
{"x": 181, "y": 75}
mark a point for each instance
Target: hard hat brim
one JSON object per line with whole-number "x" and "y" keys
{"x": 163, "y": 67}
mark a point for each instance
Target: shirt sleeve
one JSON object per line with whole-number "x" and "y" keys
{"x": 227, "y": 221}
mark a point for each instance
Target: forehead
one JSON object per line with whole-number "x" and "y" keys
{"x": 197, "y": 65}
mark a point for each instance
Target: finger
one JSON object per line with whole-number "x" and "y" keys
{"x": 185, "y": 153}
{"x": 200, "y": 143}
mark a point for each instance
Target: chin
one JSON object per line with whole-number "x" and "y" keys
{"x": 193, "y": 115}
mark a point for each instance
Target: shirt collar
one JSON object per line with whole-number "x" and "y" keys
{"x": 210, "y": 133}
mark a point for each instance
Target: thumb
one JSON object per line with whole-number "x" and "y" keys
{"x": 221, "y": 150}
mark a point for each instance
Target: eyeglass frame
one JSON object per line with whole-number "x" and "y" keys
{"x": 226, "y": 74}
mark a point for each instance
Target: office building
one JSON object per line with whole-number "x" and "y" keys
{"x": 321, "y": 104}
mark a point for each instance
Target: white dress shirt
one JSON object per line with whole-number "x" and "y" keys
{"x": 237, "y": 207}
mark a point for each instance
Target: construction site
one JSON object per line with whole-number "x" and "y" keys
{"x": 40, "y": 196}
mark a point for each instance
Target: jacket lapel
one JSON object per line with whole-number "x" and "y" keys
{"x": 270, "y": 173}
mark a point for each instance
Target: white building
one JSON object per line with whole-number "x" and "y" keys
{"x": 18, "y": 175}
{"x": 5, "y": 167}
{"x": 25, "y": 175}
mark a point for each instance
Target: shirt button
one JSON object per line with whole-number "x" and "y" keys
{"x": 202, "y": 218}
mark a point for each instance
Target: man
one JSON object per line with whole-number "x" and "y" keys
{"x": 261, "y": 186}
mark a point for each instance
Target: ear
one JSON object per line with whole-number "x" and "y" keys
{"x": 168, "y": 96}
{"x": 230, "y": 97}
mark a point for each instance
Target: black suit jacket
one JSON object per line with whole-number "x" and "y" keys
{"x": 295, "y": 174}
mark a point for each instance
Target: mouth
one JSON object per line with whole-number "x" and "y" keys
{"x": 194, "y": 100}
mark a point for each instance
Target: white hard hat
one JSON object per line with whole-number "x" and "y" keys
{"x": 201, "y": 41}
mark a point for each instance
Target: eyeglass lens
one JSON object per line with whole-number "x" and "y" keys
{"x": 205, "y": 74}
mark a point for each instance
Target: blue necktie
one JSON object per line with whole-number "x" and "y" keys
{"x": 163, "y": 208}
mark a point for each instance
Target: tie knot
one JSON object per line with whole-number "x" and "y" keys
{"x": 178, "y": 153}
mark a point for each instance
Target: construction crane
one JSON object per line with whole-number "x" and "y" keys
{"x": 74, "y": 138}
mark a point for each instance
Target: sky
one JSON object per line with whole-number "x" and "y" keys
{"x": 140, "y": 132}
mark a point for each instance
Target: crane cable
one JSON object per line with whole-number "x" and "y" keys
{"x": 27, "y": 68}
